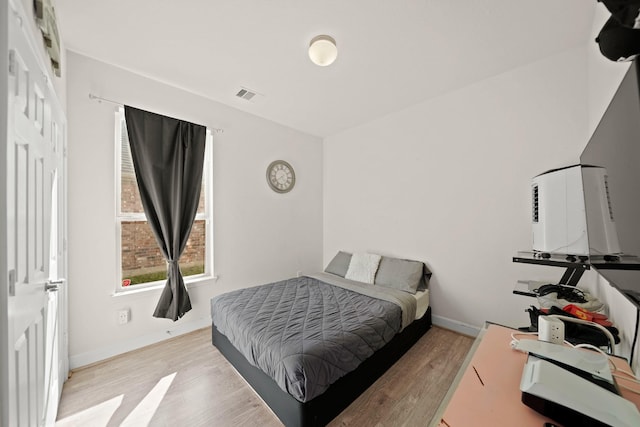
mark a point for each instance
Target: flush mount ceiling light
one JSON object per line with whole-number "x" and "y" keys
{"x": 323, "y": 50}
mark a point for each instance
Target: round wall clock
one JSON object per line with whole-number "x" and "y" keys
{"x": 280, "y": 176}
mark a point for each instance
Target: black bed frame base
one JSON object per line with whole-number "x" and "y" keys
{"x": 322, "y": 409}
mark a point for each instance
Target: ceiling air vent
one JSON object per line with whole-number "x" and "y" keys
{"x": 248, "y": 94}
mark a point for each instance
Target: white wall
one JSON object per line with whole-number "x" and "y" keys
{"x": 447, "y": 181}
{"x": 260, "y": 236}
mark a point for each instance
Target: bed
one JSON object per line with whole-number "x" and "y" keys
{"x": 311, "y": 345}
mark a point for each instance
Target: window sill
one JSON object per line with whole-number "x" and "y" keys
{"x": 190, "y": 282}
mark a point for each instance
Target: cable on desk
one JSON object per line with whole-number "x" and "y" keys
{"x": 635, "y": 337}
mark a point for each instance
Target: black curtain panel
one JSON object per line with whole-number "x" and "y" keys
{"x": 168, "y": 156}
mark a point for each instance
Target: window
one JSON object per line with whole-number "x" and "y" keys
{"x": 141, "y": 263}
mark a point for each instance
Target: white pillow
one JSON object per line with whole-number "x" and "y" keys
{"x": 363, "y": 267}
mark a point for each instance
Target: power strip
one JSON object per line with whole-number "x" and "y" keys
{"x": 550, "y": 329}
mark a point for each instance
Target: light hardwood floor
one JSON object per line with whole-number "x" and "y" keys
{"x": 185, "y": 381}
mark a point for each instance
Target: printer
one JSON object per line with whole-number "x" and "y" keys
{"x": 573, "y": 387}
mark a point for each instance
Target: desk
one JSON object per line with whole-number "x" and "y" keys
{"x": 486, "y": 391}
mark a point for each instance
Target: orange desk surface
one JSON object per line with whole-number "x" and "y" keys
{"x": 496, "y": 400}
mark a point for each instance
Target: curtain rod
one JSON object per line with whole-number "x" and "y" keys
{"x": 100, "y": 100}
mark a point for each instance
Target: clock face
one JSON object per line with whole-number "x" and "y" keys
{"x": 280, "y": 176}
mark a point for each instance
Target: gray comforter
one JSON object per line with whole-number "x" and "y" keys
{"x": 309, "y": 331}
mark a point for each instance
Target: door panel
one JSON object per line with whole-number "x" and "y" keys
{"x": 21, "y": 355}
{"x": 21, "y": 194}
{"x": 35, "y": 173}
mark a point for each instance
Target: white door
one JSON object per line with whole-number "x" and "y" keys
{"x": 35, "y": 236}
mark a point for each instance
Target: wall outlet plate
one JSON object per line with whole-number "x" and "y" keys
{"x": 124, "y": 316}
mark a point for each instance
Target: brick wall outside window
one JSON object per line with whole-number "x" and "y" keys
{"x": 140, "y": 251}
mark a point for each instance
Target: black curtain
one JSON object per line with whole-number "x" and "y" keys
{"x": 168, "y": 156}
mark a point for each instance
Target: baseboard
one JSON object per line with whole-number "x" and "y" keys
{"x": 455, "y": 326}
{"x": 90, "y": 357}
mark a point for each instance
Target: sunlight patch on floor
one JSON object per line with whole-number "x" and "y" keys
{"x": 100, "y": 414}
{"x": 142, "y": 414}
{"x": 96, "y": 416}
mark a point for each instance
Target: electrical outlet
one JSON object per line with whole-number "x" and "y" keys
{"x": 124, "y": 316}
{"x": 550, "y": 329}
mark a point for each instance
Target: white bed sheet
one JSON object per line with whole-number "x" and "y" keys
{"x": 422, "y": 303}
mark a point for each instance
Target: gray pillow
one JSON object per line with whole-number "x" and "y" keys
{"x": 402, "y": 274}
{"x": 339, "y": 264}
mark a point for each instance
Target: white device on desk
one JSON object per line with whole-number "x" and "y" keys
{"x": 591, "y": 365}
{"x": 573, "y": 400}
{"x": 572, "y": 386}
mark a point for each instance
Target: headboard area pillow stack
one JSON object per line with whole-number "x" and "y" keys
{"x": 402, "y": 274}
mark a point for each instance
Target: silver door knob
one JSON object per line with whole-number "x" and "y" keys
{"x": 53, "y": 285}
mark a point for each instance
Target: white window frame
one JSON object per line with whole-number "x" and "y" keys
{"x": 121, "y": 217}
